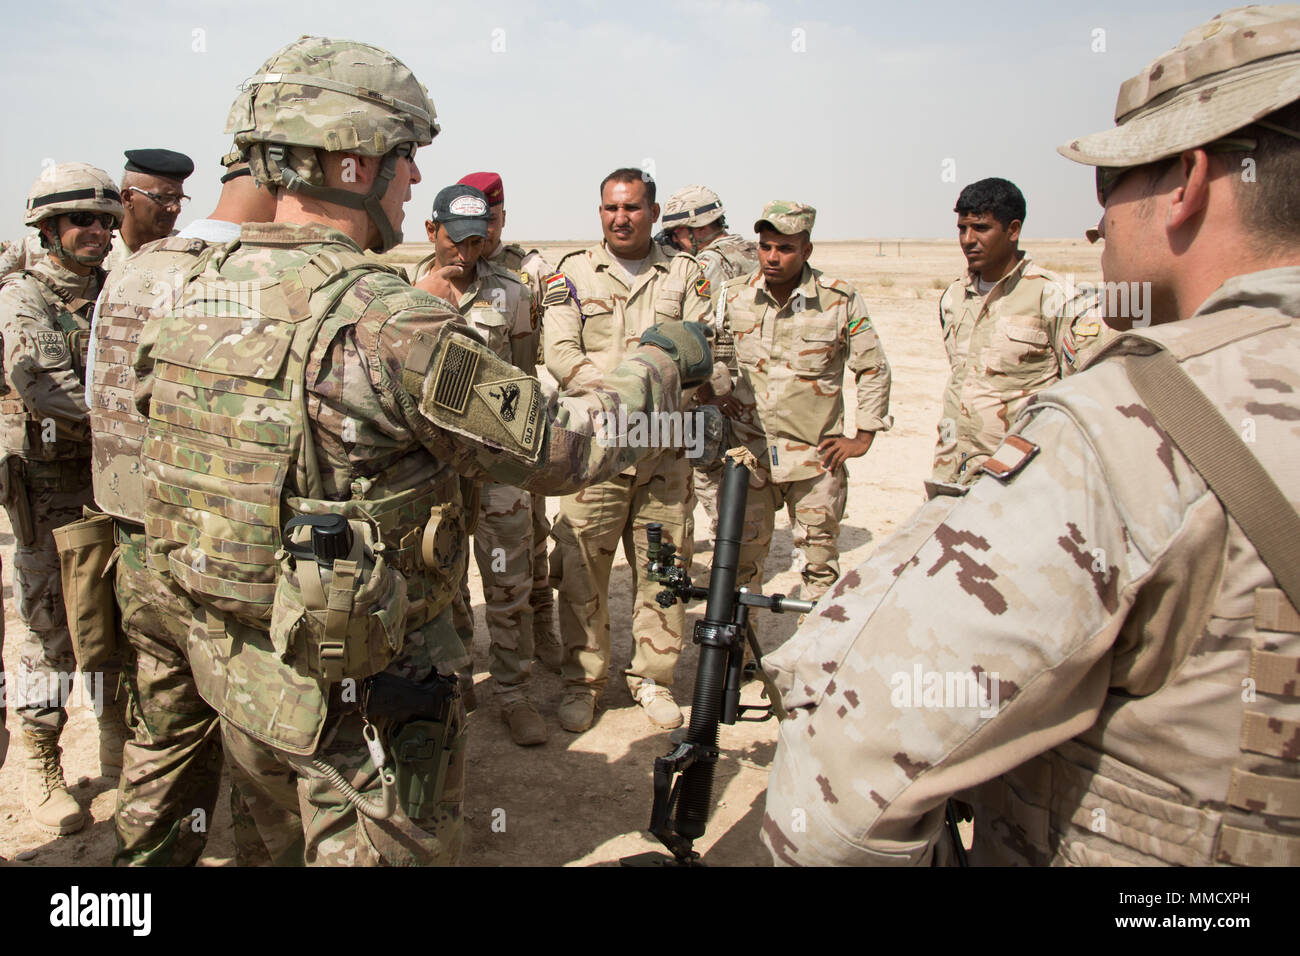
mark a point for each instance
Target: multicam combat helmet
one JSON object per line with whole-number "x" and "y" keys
{"x": 335, "y": 95}
{"x": 72, "y": 187}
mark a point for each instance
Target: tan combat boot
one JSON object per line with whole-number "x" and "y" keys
{"x": 546, "y": 640}
{"x": 113, "y": 735}
{"x": 527, "y": 729}
{"x": 577, "y": 709}
{"x": 53, "y": 809}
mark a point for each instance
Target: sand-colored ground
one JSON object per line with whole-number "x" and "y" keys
{"x": 584, "y": 799}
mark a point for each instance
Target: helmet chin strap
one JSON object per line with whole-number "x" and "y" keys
{"x": 57, "y": 250}
{"x": 371, "y": 202}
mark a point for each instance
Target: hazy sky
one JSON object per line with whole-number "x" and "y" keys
{"x": 858, "y": 109}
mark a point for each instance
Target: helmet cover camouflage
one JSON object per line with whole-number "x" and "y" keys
{"x": 337, "y": 96}
{"x": 72, "y": 187}
{"x": 692, "y": 206}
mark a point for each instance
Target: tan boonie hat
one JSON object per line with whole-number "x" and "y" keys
{"x": 1223, "y": 75}
{"x": 787, "y": 217}
{"x": 692, "y": 206}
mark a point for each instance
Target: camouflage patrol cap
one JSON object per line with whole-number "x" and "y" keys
{"x": 787, "y": 217}
{"x": 1222, "y": 76}
{"x": 72, "y": 187}
{"x": 692, "y": 206}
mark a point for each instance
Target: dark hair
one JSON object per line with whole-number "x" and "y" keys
{"x": 998, "y": 197}
{"x": 1268, "y": 202}
{"x": 627, "y": 174}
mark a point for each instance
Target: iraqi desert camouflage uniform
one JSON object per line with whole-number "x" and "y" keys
{"x": 592, "y": 318}
{"x": 501, "y": 307}
{"x": 44, "y": 431}
{"x": 726, "y": 257}
{"x": 531, "y": 267}
{"x": 171, "y": 770}
{"x": 792, "y": 360}
{"x": 1003, "y": 347}
{"x": 378, "y": 433}
{"x": 1139, "y": 658}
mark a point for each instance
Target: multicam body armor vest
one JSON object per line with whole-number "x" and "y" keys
{"x": 144, "y": 287}
{"x": 728, "y": 256}
{"x": 21, "y": 432}
{"x": 226, "y": 456}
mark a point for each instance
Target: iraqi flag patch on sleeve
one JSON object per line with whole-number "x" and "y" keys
{"x": 556, "y": 289}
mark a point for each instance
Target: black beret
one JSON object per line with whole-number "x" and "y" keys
{"x": 159, "y": 162}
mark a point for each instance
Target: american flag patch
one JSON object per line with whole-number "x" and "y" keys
{"x": 1010, "y": 458}
{"x": 860, "y": 324}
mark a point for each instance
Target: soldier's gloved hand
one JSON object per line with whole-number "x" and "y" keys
{"x": 688, "y": 345}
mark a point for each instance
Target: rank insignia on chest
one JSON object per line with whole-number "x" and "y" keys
{"x": 860, "y": 324}
{"x": 702, "y": 287}
{"x": 52, "y": 345}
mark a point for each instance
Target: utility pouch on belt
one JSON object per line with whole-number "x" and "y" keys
{"x": 340, "y": 607}
{"x": 87, "y": 551}
{"x": 421, "y": 736}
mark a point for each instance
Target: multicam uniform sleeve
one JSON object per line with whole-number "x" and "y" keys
{"x": 1018, "y": 588}
{"x": 39, "y": 362}
{"x": 562, "y": 338}
{"x": 565, "y": 451}
{"x": 870, "y": 368}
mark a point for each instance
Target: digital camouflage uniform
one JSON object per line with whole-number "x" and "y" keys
{"x": 21, "y": 253}
{"x": 592, "y": 319}
{"x": 1116, "y": 604}
{"x": 726, "y": 257}
{"x": 792, "y": 360}
{"x": 44, "y": 318}
{"x": 1003, "y": 347}
{"x": 499, "y": 305}
{"x": 171, "y": 771}
{"x": 1087, "y": 648}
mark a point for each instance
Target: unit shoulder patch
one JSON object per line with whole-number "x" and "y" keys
{"x": 1010, "y": 458}
{"x": 702, "y": 287}
{"x": 53, "y": 345}
{"x": 860, "y": 324}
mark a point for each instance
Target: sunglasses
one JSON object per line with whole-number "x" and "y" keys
{"x": 1108, "y": 177}
{"x": 84, "y": 219}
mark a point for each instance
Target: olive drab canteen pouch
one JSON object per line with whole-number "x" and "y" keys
{"x": 87, "y": 553}
{"x": 340, "y": 606}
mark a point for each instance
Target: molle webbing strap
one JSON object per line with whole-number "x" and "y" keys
{"x": 1233, "y": 473}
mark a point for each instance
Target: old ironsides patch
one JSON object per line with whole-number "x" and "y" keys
{"x": 52, "y": 345}
{"x": 455, "y": 374}
{"x": 516, "y": 402}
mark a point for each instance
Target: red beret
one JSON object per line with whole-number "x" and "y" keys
{"x": 489, "y": 184}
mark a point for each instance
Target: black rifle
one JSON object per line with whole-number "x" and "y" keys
{"x": 717, "y": 678}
